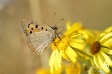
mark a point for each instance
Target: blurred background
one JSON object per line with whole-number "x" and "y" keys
{"x": 15, "y": 56}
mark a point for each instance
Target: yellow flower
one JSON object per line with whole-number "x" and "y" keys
{"x": 47, "y": 71}
{"x": 107, "y": 31}
{"x": 43, "y": 71}
{"x": 55, "y": 61}
{"x": 99, "y": 50}
{"x": 73, "y": 68}
{"x": 104, "y": 33}
{"x": 87, "y": 33}
{"x": 62, "y": 48}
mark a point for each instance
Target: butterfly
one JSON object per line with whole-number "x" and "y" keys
{"x": 38, "y": 36}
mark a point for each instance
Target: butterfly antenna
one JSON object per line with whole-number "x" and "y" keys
{"x": 59, "y": 21}
{"x": 53, "y": 17}
{"x": 61, "y": 26}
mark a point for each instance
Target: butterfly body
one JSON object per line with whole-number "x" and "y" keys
{"x": 38, "y": 36}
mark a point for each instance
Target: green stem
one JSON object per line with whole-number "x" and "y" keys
{"x": 81, "y": 52}
{"x": 105, "y": 47}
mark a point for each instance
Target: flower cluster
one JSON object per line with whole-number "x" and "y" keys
{"x": 77, "y": 41}
{"x": 67, "y": 68}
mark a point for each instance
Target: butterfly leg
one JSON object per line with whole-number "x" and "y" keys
{"x": 59, "y": 36}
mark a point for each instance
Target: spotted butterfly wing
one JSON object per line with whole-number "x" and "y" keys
{"x": 39, "y": 36}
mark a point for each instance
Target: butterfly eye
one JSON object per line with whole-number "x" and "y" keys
{"x": 46, "y": 29}
{"x": 36, "y": 26}
{"x": 54, "y": 28}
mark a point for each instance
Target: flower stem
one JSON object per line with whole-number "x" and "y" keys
{"x": 75, "y": 49}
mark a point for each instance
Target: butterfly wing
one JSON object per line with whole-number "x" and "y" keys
{"x": 30, "y": 27}
{"x": 39, "y": 36}
{"x": 39, "y": 41}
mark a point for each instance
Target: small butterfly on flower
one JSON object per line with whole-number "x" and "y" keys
{"x": 38, "y": 36}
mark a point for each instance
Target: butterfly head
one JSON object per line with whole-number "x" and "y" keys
{"x": 54, "y": 28}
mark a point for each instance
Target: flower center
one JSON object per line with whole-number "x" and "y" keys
{"x": 63, "y": 43}
{"x": 95, "y": 47}
{"x": 60, "y": 44}
{"x": 55, "y": 43}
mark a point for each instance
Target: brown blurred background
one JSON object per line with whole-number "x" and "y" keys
{"x": 15, "y": 56}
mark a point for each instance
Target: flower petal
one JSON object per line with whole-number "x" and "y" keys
{"x": 85, "y": 35}
{"x": 73, "y": 28}
{"x": 75, "y": 35}
{"x": 57, "y": 62}
{"x": 51, "y": 61}
{"x": 96, "y": 61}
{"x": 108, "y": 29}
{"x": 68, "y": 25}
{"x": 105, "y": 68}
{"x": 71, "y": 54}
{"x": 107, "y": 41}
{"x": 92, "y": 62}
{"x": 90, "y": 33}
{"x": 63, "y": 54}
{"x": 106, "y": 58}
{"x": 106, "y": 36}
{"x": 78, "y": 40}
{"x": 106, "y": 50}
{"x": 103, "y": 65}
{"x": 77, "y": 45}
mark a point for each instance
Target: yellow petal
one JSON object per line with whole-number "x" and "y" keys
{"x": 96, "y": 61}
{"x": 105, "y": 68}
{"x": 73, "y": 28}
{"x": 77, "y": 41}
{"x": 85, "y": 35}
{"x": 71, "y": 54}
{"x": 106, "y": 50}
{"x": 75, "y": 35}
{"x": 89, "y": 32}
{"x": 106, "y": 36}
{"x": 71, "y": 51}
{"x": 77, "y": 45}
{"x": 57, "y": 61}
{"x": 107, "y": 41}
{"x": 106, "y": 58}
{"x": 68, "y": 25}
{"x": 102, "y": 63}
{"x": 101, "y": 56}
{"x": 92, "y": 62}
{"x": 63, "y": 54}
{"x": 51, "y": 61}
{"x": 108, "y": 29}
{"x": 60, "y": 59}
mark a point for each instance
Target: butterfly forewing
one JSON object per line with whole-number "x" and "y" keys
{"x": 39, "y": 36}
{"x": 30, "y": 27}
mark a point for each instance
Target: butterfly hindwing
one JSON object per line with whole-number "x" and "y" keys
{"x": 39, "y": 41}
